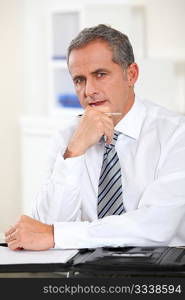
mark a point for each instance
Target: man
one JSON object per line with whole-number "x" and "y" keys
{"x": 117, "y": 174}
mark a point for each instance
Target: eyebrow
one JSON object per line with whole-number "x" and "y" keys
{"x": 99, "y": 71}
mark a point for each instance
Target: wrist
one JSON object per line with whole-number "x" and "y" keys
{"x": 72, "y": 153}
{"x": 51, "y": 230}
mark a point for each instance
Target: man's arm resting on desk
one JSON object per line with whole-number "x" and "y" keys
{"x": 30, "y": 234}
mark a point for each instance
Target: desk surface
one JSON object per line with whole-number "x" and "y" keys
{"x": 154, "y": 262}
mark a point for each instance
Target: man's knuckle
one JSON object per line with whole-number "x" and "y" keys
{"x": 23, "y": 217}
{"x": 19, "y": 224}
{"x": 99, "y": 124}
{"x": 90, "y": 112}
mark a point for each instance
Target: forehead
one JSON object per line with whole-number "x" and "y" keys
{"x": 96, "y": 54}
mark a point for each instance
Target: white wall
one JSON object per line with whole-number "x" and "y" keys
{"x": 11, "y": 51}
{"x": 35, "y": 59}
{"x": 23, "y": 73}
{"x": 164, "y": 30}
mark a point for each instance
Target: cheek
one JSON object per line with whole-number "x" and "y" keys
{"x": 78, "y": 91}
{"x": 80, "y": 95}
{"x": 112, "y": 91}
{"x": 118, "y": 93}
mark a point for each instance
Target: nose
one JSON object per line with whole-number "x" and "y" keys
{"x": 91, "y": 88}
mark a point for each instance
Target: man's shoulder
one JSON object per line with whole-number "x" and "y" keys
{"x": 168, "y": 125}
{"x": 159, "y": 114}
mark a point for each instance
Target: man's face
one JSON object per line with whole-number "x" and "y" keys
{"x": 100, "y": 82}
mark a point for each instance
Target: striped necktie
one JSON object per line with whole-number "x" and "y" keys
{"x": 110, "y": 198}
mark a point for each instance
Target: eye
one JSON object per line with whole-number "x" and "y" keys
{"x": 101, "y": 74}
{"x": 78, "y": 80}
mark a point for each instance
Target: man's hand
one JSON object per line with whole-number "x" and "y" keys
{"x": 30, "y": 234}
{"x": 93, "y": 125}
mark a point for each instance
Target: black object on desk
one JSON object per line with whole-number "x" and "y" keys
{"x": 3, "y": 244}
{"x": 132, "y": 260}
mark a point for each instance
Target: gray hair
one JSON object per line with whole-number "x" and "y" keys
{"x": 118, "y": 42}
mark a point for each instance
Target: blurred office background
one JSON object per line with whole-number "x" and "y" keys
{"x": 36, "y": 92}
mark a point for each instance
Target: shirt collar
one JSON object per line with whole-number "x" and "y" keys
{"x": 132, "y": 122}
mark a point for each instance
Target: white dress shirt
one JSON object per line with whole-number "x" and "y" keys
{"x": 151, "y": 151}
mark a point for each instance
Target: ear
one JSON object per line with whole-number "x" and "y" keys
{"x": 132, "y": 74}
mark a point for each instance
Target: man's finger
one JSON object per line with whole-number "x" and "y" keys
{"x": 11, "y": 230}
{"x": 10, "y": 237}
{"x": 15, "y": 245}
{"x": 109, "y": 135}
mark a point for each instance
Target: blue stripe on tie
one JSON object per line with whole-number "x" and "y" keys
{"x": 119, "y": 210}
{"x": 99, "y": 200}
{"x": 108, "y": 150}
{"x": 109, "y": 146}
{"x": 107, "y": 172}
{"x": 108, "y": 183}
{"x": 106, "y": 208}
{"x": 112, "y": 195}
{"x": 110, "y": 200}
{"x": 109, "y": 204}
{"x": 104, "y": 175}
{"x": 113, "y": 200}
{"x": 105, "y": 156}
{"x": 116, "y": 193}
{"x": 115, "y": 155}
{"x": 110, "y": 164}
{"x": 108, "y": 189}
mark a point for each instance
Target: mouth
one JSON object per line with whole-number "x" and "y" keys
{"x": 98, "y": 103}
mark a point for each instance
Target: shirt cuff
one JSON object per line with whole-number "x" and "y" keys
{"x": 70, "y": 235}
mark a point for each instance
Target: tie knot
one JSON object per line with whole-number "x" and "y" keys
{"x": 114, "y": 140}
{"x": 115, "y": 137}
